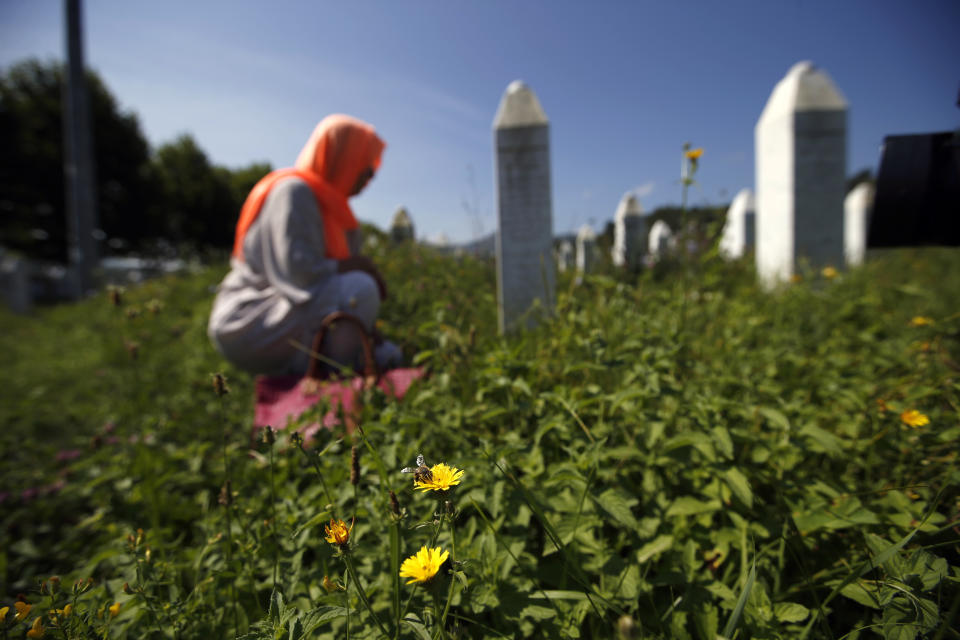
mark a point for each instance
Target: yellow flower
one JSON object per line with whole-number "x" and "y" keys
{"x": 37, "y": 630}
{"x": 829, "y": 273}
{"x": 921, "y": 321}
{"x": 337, "y": 532}
{"x": 441, "y": 478}
{"x": 23, "y": 610}
{"x": 913, "y": 418}
{"x": 423, "y": 566}
{"x": 114, "y": 609}
{"x": 694, "y": 154}
{"x": 65, "y": 612}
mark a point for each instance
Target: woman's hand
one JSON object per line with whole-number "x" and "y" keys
{"x": 365, "y": 264}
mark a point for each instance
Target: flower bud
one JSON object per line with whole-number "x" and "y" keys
{"x": 354, "y": 465}
{"x": 226, "y": 495}
{"x": 220, "y": 385}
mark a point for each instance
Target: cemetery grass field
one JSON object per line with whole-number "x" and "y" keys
{"x": 670, "y": 455}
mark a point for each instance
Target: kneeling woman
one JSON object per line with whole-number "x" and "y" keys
{"x": 296, "y": 257}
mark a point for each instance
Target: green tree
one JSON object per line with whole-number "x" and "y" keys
{"x": 200, "y": 206}
{"x": 32, "y": 208}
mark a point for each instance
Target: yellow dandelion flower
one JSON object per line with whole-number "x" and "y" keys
{"x": 23, "y": 610}
{"x": 913, "y": 418}
{"x": 694, "y": 154}
{"x": 423, "y": 566}
{"x": 921, "y": 321}
{"x": 337, "y": 532}
{"x": 441, "y": 478}
{"x": 3, "y": 613}
{"x": 829, "y": 273}
{"x": 114, "y": 609}
{"x": 37, "y": 630}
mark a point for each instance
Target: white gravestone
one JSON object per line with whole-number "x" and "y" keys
{"x": 856, "y": 220}
{"x": 660, "y": 241}
{"x": 801, "y": 159}
{"x": 525, "y": 267}
{"x": 564, "y": 256}
{"x": 739, "y": 230}
{"x": 628, "y": 231}
{"x": 586, "y": 249}
{"x": 15, "y": 283}
{"x": 401, "y": 228}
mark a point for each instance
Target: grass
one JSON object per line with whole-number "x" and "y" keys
{"x": 663, "y": 456}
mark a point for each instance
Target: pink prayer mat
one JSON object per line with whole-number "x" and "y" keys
{"x": 281, "y": 399}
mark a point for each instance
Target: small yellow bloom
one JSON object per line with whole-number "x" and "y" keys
{"x": 23, "y": 610}
{"x": 114, "y": 609}
{"x": 829, "y": 273}
{"x": 65, "y": 612}
{"x": 423, "y": 566}
{"x": 37, "y": 630}
{"x": 3, "y": 613}
{"x": 921, "y": 321}
{"x": 913, "y": 418}
{"x": 694, "y": 154}
{"x": 337, "y": 532}
{"x": 441, "y": 478}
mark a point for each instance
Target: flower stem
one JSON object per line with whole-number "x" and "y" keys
{"x": 453, "y": 557}
{"x": 316, "y": 467}
{"x": 228, "y": 507}
{"x": 273, "y": 521}
{"x": 437, "y": 618}
{"x": 395, "y": 569}
{"x": 363, "y": 596}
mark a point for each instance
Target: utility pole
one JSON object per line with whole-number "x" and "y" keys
{"x": 78, "y": 169}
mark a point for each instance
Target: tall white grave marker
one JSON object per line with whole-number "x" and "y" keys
{"x": 801, "y": 159}
{"x": 660, "y": 241}
{"x": 564, "y": 256}
{"x": 525, "y": 267}
{"x": 856, "y": 219}
{"x": 739, "y": 230}
{"x": 401, "y": 227}
{"x": 628, "y": 231}
{"x": 586, "y": 249}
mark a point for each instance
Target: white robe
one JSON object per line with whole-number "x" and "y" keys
{"x": 285, "y": 286}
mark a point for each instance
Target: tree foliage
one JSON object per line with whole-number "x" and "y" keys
{"x": 175, "y": 194}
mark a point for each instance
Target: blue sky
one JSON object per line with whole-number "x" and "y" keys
{"x": 624, "y": 85}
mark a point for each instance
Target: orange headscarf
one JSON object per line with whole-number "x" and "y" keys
{"x": 339, "y": 151}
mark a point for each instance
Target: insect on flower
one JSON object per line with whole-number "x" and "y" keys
{"x": 421, "y": 473}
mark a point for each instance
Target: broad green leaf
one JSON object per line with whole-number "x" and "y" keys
{"x": 689, "y": 506}
{"x": 655, "y": 547}
{"x": 417, "y": 626}
{"x": 618, "y": 504}
{"x": 775, "y": 416}
{"x": 823, "y": 441}
{"x": 739, "y": 485}
{"x": 790, "y": 612}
